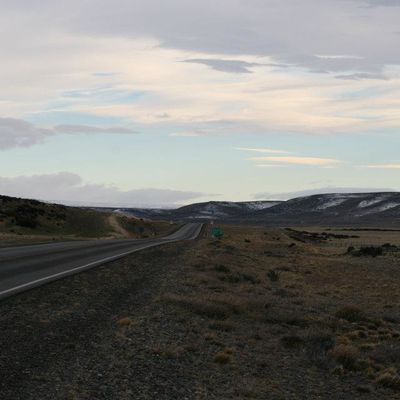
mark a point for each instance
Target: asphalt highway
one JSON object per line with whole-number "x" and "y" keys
{"x": 26, "y": 267}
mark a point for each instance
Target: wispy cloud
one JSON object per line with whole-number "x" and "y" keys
{"x": 18, "y": 133}
{"x": 270, "y": 165}
{"x": 86, "y": 129}
{"x": 382, "y": 166}
{"x": 362, "y": 75}
{"x": 312, "y": 161}
{"x": 231, "y": 66}
{"x": 262, "y": 150}
{"x": 185, "y": 134}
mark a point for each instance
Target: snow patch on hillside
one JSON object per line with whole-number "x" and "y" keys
{"x": 371, "y": 202}
{"x": 331, "y": 203}
{"x": 261, "y": 205}
{"x": 388, "y": 206}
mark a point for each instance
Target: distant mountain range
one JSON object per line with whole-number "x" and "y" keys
{"x": 212, "y": 210}
{"x": 349, "y": 209}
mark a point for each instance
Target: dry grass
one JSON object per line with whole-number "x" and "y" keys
{"x": 309, "y": 302}
{"x": 345, "y": 355}
{"x": 351, "y": 313}
{"x": 389, "y": 379}
{"x": 223, "y": 357}
{"x": 124, "y": 322}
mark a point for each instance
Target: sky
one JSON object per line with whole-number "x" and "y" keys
{"x": 169, "y": 102}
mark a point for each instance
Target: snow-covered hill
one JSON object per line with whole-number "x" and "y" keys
{"x": 339, "y": 209}
{"x": 347, "y": 209}
{"x": 206, "y": 211}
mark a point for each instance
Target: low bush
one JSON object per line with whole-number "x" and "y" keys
{"x": 216, "y": 307}
{"x": 389, "y": 379}
{"x": 345, "y": 355}
{"x": 223, "y": 357}
{"x": 222, "y": 268}
{"x": 351, "y": 313}
{"x": 273, "y": 275}
{"x": 368, "y": 251}
{"x": 318, "y": 343}
{"x": 127, "y": 321}
{"x": 292, "y": 341}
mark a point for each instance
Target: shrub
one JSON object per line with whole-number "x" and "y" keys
{"x": 285, "y": 317}
{"x": 222, "y": 268}
{"x": 318, "y": 344}
{"x": 370, "y": 251}
{"x": 291, "y": 341}
{"x": 217, "y": 307}
{"x": 250, "y": 278}
{"x": 26, "y": 220}
{"x": 273, "y": 275}
{"x": 389, "y": 379}
{"x": 386, "y": 353}
{"x": 223, "y": 357}
{"x": 351, "y": 313}
{"x": 346, "y": 355}
{"x": 389, "y": 247}
{"x": 125, "y": 322}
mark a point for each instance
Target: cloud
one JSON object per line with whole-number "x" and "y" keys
{"x": 85, "y": 129}
{"x": 261, "y": 28}
{"x": 186, "y": 134}
{"x": 141, "y": 48}
{"x": 280, "y": 29}
{"x": 162, "y": 115}
{"x": 382, "y": 166}
{"x": 16, "y": 133}
{"x": 324, "y": 190}
{"x": 362, "y": 75}
{"x": 270, "y": 165}
{"x": 231, "y": 66}
{"x": 262, "y": 150}
{"x": 69, "y": 188}
{"x": 382, "y": 3}
{"x": 312, "y": 161}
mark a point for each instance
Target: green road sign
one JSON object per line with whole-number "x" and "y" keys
{"x": 217, "y": 232}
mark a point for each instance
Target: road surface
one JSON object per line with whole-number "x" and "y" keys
{"x": 26, "y": 267}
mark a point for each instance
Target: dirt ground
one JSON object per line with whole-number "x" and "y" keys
{"x": 259, "y": 314}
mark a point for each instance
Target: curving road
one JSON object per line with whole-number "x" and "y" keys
{"x": 26, "y": 267}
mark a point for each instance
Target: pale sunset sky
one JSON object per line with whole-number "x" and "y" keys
{"x": 169, "y": 102}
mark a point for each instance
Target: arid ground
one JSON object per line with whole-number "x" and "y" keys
{"x": 258, "y": 314}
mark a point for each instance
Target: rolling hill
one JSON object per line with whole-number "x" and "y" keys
{"x": 22, "y": 219}
{"x": 219, "y": 210}
{"x": 336, "y": 209}
{"x": 354, "y": 209}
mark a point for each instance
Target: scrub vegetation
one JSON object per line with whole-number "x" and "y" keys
{"x": 25, "y": 221}
{"x": 257, "y": 314}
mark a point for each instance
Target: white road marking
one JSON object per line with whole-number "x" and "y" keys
{"x": 72, "y": 271}
{"x": 37, "y": 282}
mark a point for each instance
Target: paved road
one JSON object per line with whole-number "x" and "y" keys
{"x": 25, "y": 267}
